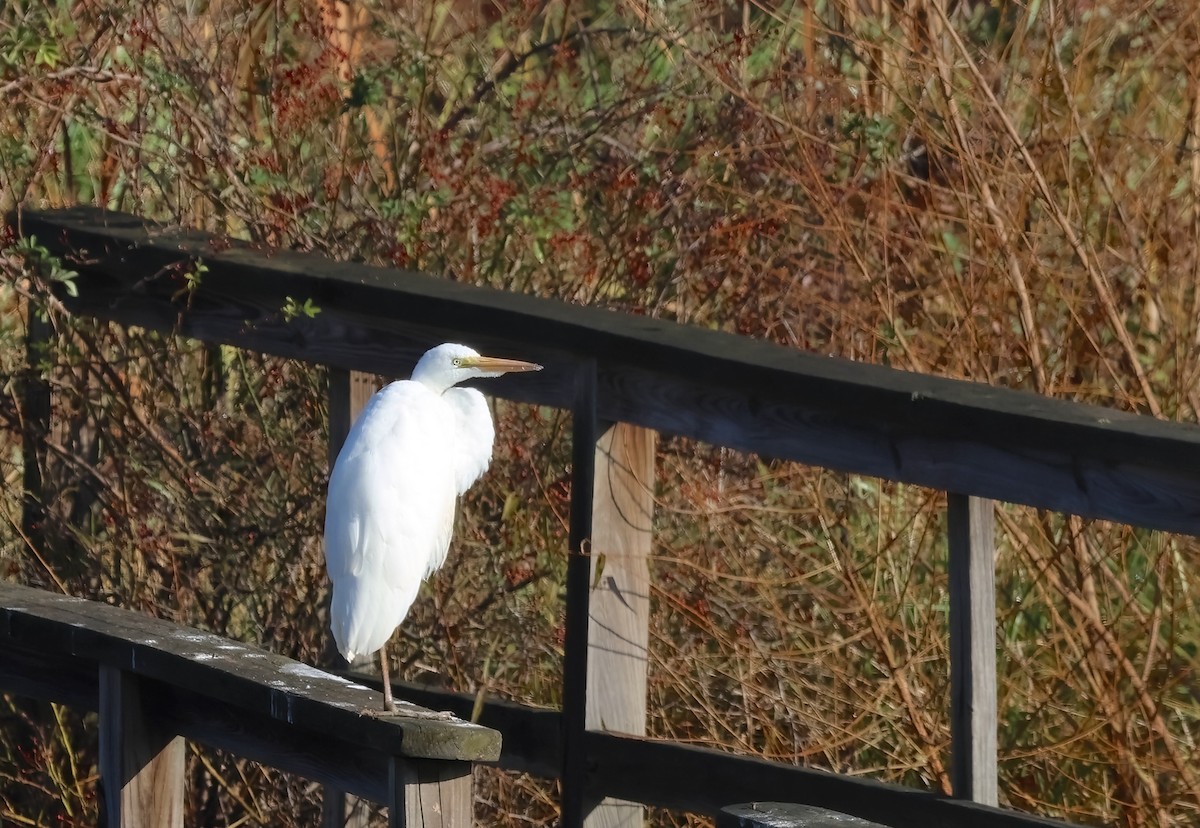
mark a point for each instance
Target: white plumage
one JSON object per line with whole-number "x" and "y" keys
{"x": 417, "y": 445}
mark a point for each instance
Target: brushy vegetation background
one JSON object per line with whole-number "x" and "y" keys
{"x": 1003, "y": 191}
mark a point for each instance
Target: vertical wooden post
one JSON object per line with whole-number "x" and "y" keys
{"x": 141, "y": 761}
{"x": 429, "y": 794}
{"x": 973, "y": 719}
{"x": 349, "y": 392}
{"x": 584, "y": 430}
{"x": 619, "y": 628}
{"x": 35, "y": 426}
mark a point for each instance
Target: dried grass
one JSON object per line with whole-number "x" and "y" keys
{"x": 998, "y": 191}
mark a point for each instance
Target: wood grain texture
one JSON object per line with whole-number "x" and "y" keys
{"x": 704, "y": 781}
{"x": 219, "y": 692}
{"x": 358, "y": 770}
{"x": 432, "y": 795}
{"x": 252, "y": 681}
{"x": 141, "y": 758}
{"x": 787, "y": 815}
{"x": 746, "y": 394}
{"x": 619, "y": 605}
{"x": 532, "y": 735}
{"x": 700, "y": 780}
{"x": 49, "y": 676}
{"x": 973, "y": 714}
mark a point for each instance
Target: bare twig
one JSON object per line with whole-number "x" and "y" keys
{"x": 88, "y": 73}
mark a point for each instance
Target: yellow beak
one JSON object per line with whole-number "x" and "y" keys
{"x": 499, "y": 366}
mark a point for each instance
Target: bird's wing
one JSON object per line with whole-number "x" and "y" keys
{"x": 389, "y": 513}
{"x": 474, "y": 435}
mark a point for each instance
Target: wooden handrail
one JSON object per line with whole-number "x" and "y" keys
{"x": 783, "y": 815}
{"x": 976, "y": 442}
{"x": 154, "y": 681}
{"x": 733, "y": 391}
{"x": 702, "y": 780}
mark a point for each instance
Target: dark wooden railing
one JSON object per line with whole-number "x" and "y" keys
{"x": 156, "y": 684}
{"x": 625, "y": 377}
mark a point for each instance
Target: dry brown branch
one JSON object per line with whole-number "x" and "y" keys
{"x": 1098, "y": 280}
{"x": 89, "y": 73}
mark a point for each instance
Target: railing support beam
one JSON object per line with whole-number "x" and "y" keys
{"x": 430, "y": 794}
{"x": 973, "y": 719}
{"x": 141, "y": 759}
{"x": 584, "y": 433}
{"x": 36, "y": 408}
{"x": 619, "y": 603}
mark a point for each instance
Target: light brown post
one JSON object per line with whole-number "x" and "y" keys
{"x": 349, "y": 392}
{"x": 973, "y": 719}
{"x": 619, "y": 608}
{"x": 428, "y": 794}
{"x": 141, "y": 761}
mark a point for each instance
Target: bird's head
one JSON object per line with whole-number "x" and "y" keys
{"x": 447, "y": 365}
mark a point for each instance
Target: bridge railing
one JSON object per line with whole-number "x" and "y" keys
{"x": 625, "y": 378}
{"x": 156, "y": 684}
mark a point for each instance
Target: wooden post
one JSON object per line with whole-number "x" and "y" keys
{"x": 619, "y": 628}
{"x": 584, "y": 430}
{"x": 141, "y": 761}
{"x": 34, "y": 427}
{"x": 430, "y": 794}
{"x": 349, "y": 392}
{"x": 973, "y": 720}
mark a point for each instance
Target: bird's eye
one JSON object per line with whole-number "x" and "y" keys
{"x": 456, "y": 362}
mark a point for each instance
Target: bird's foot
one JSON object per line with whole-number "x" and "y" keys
{"x": 435, "y": 715}
{"x": 408, "y": 713}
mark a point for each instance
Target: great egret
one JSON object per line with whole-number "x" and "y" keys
{"x": 417, "y": 445}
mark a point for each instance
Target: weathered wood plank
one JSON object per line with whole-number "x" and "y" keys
{"x": 532, "y": 735}
{"x": 293, "y": 748}
{"x": 704, "y": 781}
{"x": 700, "y": 780}
{"x": 973, "y": 714}
{"x": 362, "y": 771}
{"x": 141, "y": 758}
{"x": 49, "y": 676}
{"x": 584, "y": 434}
{"x": 746, "y": 394}
{"x": 251, "y": 683}
{"x": 619, "y": 626}
{"x": 341, "y": 810}
{"x": 431, "y": 795}
{"x": 787, "y": 815}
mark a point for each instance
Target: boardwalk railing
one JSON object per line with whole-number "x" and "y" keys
{"x": 625, "y": 377}
{"x": 156, "y": 684}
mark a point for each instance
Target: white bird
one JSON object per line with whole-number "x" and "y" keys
{"x": 417, "y": 446}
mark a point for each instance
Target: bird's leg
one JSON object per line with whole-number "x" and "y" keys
{"x": 389, "y": 706}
